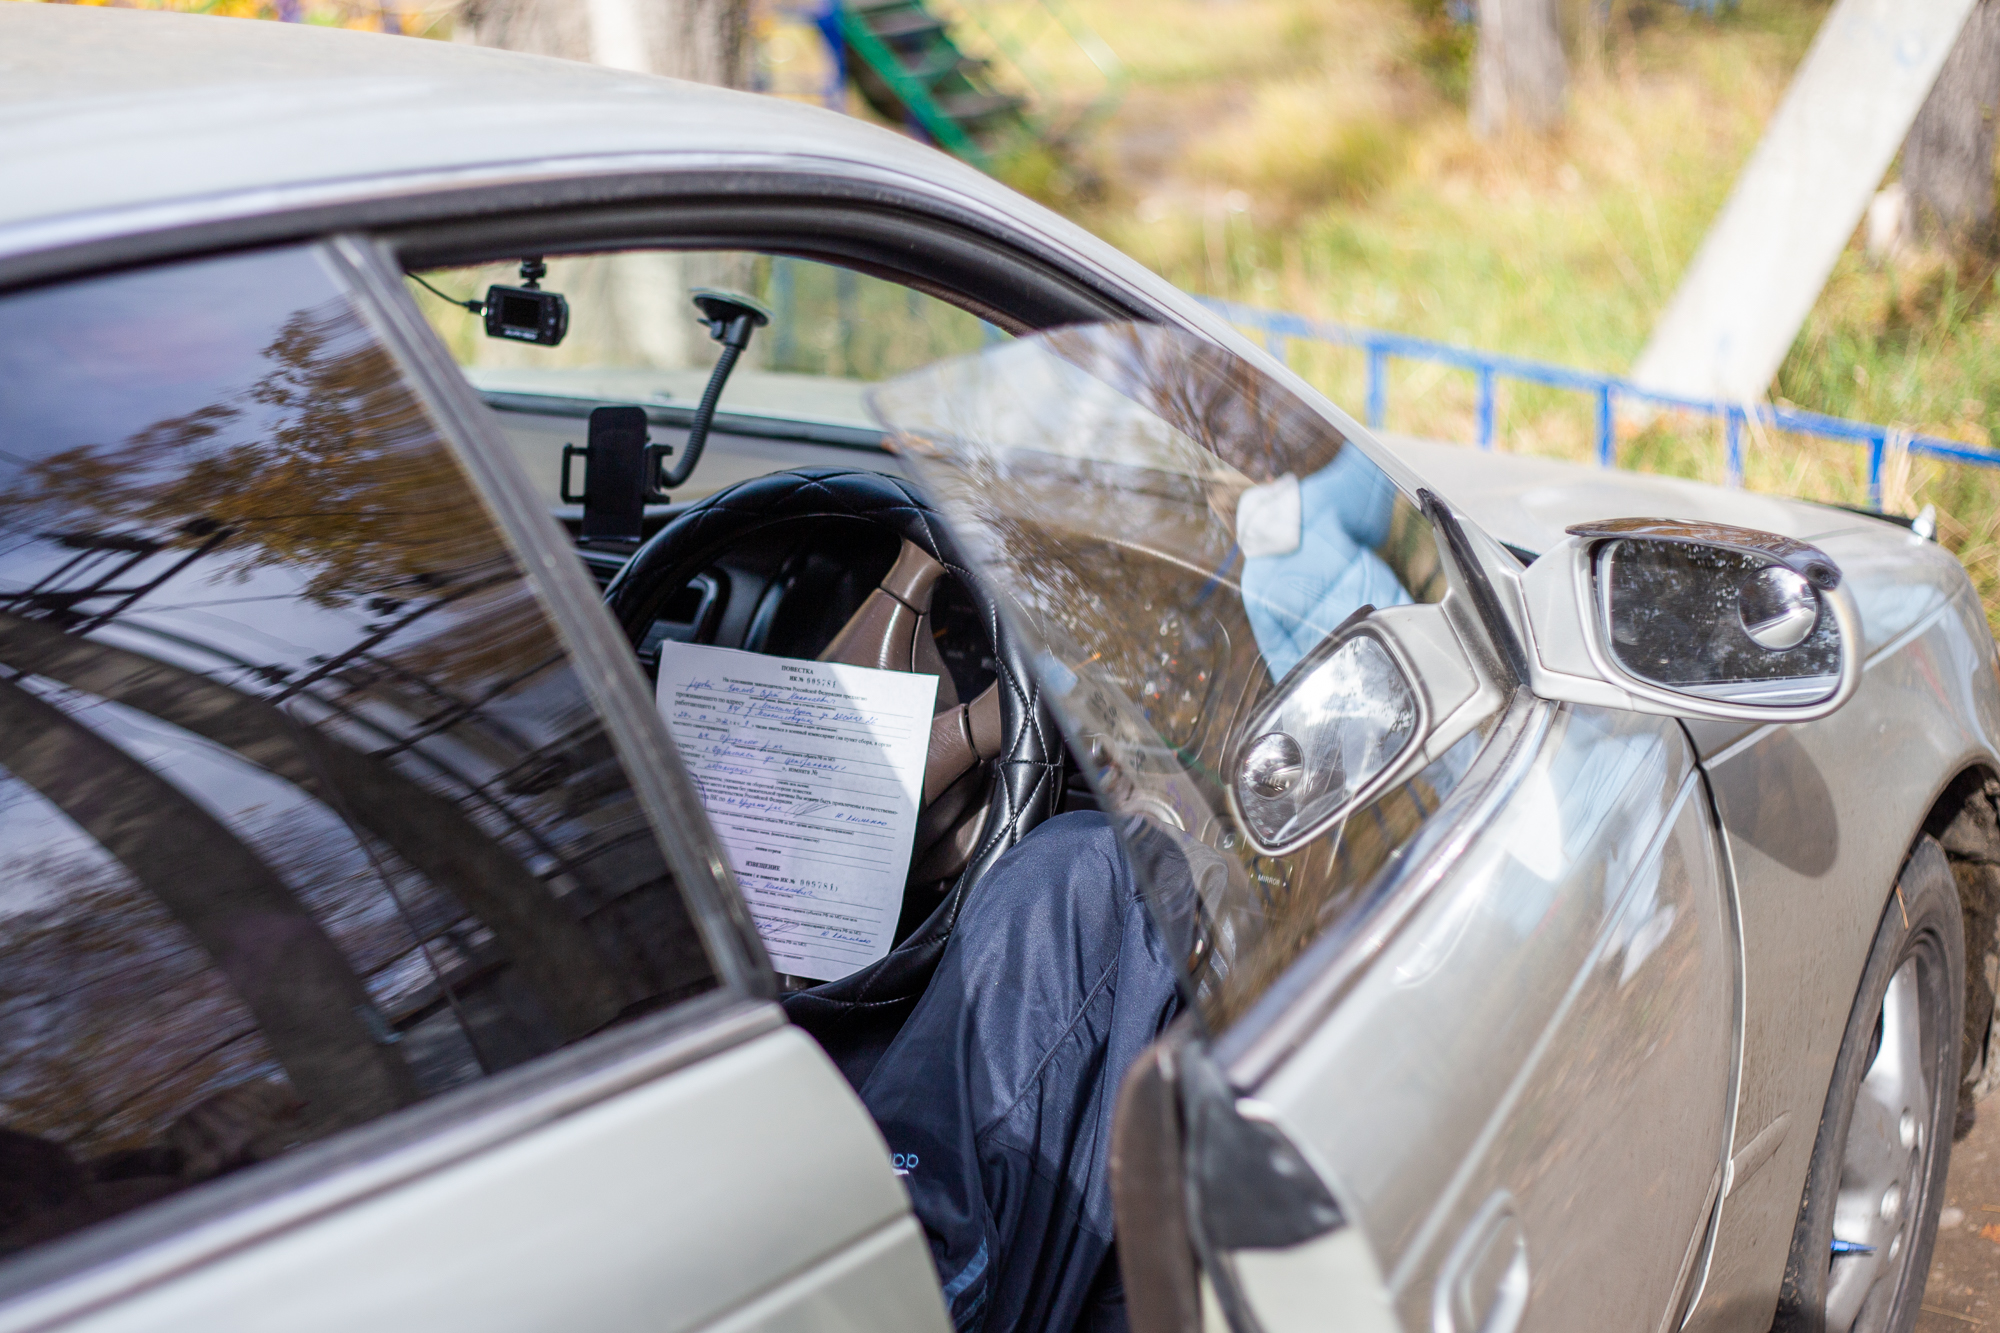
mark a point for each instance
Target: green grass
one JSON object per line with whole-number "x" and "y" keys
{"x": 1315, "y": 157}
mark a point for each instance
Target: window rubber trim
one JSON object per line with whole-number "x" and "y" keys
{"x": 864, "y": 217}
{"x": 983, "y": 274}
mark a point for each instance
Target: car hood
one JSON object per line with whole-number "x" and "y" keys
{"x": 1898, "y": 579}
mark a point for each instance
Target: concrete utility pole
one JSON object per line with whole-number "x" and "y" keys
{"x": 1519, "y": 76}
{"x": 703, "y": 40}
{"x": 1796, "y": 203}
{"x": 1948, "y": 158}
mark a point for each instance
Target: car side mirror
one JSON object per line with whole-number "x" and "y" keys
{"x": 1383, "y": 695}
{"x": 1691, "y": 619}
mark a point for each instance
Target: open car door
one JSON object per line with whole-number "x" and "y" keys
{"x": 367, "y": 962}
{"x": 1460, "y": 1021}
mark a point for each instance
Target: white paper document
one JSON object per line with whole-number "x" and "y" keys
{"x": 812, "y": 773}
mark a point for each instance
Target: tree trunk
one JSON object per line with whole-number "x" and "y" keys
{"x": 1519, "y": 76}
{"x": 1948, "y": 157}
{"x": 706, "y": 41}
{"x": 558, "y": 28}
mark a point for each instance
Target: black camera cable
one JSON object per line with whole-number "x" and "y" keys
{"x": 476, "y": 307}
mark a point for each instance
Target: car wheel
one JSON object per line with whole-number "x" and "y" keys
{"x": 1862, "y": 1246}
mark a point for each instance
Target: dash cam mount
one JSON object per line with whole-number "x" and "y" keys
{"x": 622, "y": 470}
{"x": 731, "y": 318}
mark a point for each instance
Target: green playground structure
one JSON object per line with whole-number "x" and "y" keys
{"x": 983, "y": 79}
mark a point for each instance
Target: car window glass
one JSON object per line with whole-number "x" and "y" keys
{"x": 1175, "y": 531}
{"x": 633, "y": 335}
{"x": 304, "y": 813}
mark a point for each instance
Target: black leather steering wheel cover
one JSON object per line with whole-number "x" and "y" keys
{"x": 856, "y": 1016}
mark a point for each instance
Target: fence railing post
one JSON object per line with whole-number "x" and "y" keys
{"x": 1733, "y": 463}
{"x": 1486, "y": 407}
{"x": 1378, "y": 385}
{"x": 1607, "y": 429}
{"x": 1877, "y": 443}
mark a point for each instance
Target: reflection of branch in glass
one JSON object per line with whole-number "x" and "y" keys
{"x": 555, "y": 957}
{"x": 320, "y": 465}
{"x": 326, "y": 466}
{"x": 307, "y": 1001}
{"x": 109, "y": 1010}
{"x": 1237, "y": 413}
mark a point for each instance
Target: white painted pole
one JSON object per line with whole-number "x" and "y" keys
{"x": 617, "y": 37}
{"x": 1798, "y": 200}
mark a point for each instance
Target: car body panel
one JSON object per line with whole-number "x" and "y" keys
{"x": 1331, "y": 1282}
{"x": 1819, "y": 820}
{"x": 1571, "y": 977}
{"x": 788, "y": 1166}
{"x": 1527, "y": 501}
{"x": 180, "y": 107}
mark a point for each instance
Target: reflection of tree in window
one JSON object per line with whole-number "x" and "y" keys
{"x": 420, "y": 860}
{"x": 1097, "y": 472}
{"x": 101, "y": 959}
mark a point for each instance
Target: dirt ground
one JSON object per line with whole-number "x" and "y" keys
{"x": 1964, "y": 1288}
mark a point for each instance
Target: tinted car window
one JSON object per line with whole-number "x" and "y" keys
{"x": 304, "y": 814}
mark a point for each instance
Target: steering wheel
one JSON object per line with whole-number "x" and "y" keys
{"x": 993, "y": 768}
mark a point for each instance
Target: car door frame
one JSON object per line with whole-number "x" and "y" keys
{"x": 932, "y": 253}
{"x": 141, "y": 1264}
{"x": 1259, "y": 1053}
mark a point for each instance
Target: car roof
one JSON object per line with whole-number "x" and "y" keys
{"x": 110, "y": 110}
{"x": 118, "y": 123}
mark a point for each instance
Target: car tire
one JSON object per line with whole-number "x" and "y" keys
{"x": 1862, "y": 1247}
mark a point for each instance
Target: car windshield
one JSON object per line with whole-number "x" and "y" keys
{"x": 632, "y": 336}
{"x": 1174, "y": 530}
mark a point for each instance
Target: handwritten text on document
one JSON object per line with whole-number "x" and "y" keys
{"x": 812, "y": 773}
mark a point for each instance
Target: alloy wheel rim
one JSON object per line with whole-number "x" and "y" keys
{"x": 1883, "y": 1170}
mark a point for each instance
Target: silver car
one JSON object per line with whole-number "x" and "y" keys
{"x": 1595, "y": 917}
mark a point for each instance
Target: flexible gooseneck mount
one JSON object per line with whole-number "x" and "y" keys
{"x": 731, "y": 318}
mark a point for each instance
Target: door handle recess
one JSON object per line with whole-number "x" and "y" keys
{"x": 1483, "y": 1286}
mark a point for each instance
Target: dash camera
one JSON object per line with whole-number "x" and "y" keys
{"x": 526, "y": 314}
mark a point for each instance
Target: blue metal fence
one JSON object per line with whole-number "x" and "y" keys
{"x": 1277, "y": 327}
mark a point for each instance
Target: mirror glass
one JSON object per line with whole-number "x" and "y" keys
{"x": 1334, "y": 725}
{"x": 1717, "y": 623}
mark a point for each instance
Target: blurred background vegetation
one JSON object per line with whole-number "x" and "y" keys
{"x": 1319, "y": 156}
{"x": 416, "y": 18}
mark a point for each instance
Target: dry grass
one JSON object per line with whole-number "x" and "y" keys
{"x": 1315, "y": 157}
